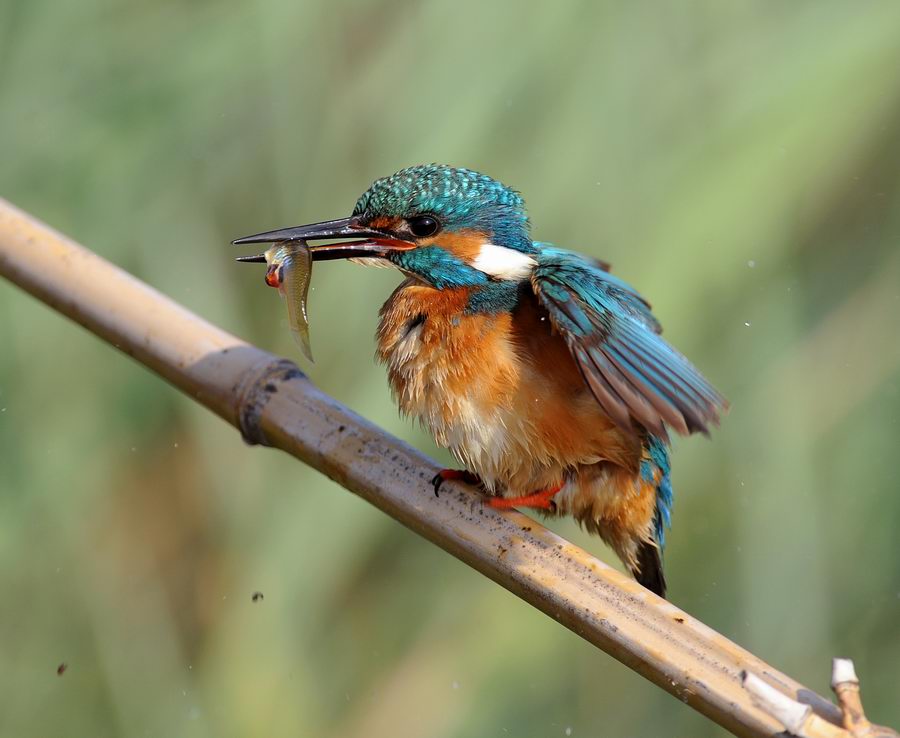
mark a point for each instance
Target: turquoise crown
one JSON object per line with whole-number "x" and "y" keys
{"x": 459, "y": 198}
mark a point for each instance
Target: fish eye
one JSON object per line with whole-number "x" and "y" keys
{"x": 423, "y": 226}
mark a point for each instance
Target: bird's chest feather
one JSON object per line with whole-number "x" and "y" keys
{"x": 454, "y": 371}
{"x": 496, "y": 389}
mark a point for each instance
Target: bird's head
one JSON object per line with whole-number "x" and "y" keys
{"x": 447, "y": 227}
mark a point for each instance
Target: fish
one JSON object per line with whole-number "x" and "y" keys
{"x": 290, "y": 272}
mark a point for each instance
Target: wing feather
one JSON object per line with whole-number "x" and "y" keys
{"x": 635, "y": 375}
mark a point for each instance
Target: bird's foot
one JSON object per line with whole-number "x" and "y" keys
{"x": 542, "y": 500}
{"x": 461, "y": 475}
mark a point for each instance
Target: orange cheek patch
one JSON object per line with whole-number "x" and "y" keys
{"x": 465, "y": 245}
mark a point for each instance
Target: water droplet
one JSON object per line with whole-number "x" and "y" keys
{"x": 455, "y": 684}
{"x": 569, "y": 730}
{"x": 751, "y": 263}
{"x": 747, "y": 323}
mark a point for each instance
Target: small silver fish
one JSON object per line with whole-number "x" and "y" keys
{"x": 290, "y": 271}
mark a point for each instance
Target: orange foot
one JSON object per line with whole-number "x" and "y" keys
{"x": 542, "y": 500}
{"x": 445, "y": 475}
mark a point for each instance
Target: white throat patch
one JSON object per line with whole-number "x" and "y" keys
{"x": 503, "y": 263}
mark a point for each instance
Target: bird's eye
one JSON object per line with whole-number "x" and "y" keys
{"x": 422, "y": 226}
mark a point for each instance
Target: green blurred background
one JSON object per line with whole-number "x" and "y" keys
{"x": 739, "y": 162}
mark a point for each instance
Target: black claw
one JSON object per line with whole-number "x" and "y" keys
{"x": 467, "y": 477}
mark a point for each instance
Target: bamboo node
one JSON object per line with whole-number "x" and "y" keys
{"x": 254, "y": 392}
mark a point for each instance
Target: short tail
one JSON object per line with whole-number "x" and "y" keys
{"x": 649, "y": 569}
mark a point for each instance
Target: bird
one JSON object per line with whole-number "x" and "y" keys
{"x": 543, "y": 374}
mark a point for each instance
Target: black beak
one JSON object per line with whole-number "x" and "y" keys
{"x": 369, "y": 243}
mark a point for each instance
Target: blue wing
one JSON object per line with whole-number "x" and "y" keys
{"x": 632, "y": 372}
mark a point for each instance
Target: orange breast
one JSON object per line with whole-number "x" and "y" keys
{"x": 499, "y": 390}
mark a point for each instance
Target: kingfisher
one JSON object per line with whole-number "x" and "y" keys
{"x": 542, "y": 373}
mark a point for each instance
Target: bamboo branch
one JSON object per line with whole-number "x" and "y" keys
{"x": 273, "y": 403}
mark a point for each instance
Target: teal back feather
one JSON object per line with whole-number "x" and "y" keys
{"x": 657, "y": 461}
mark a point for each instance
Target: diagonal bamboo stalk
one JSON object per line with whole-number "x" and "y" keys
{"x": 273, "y": 403}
